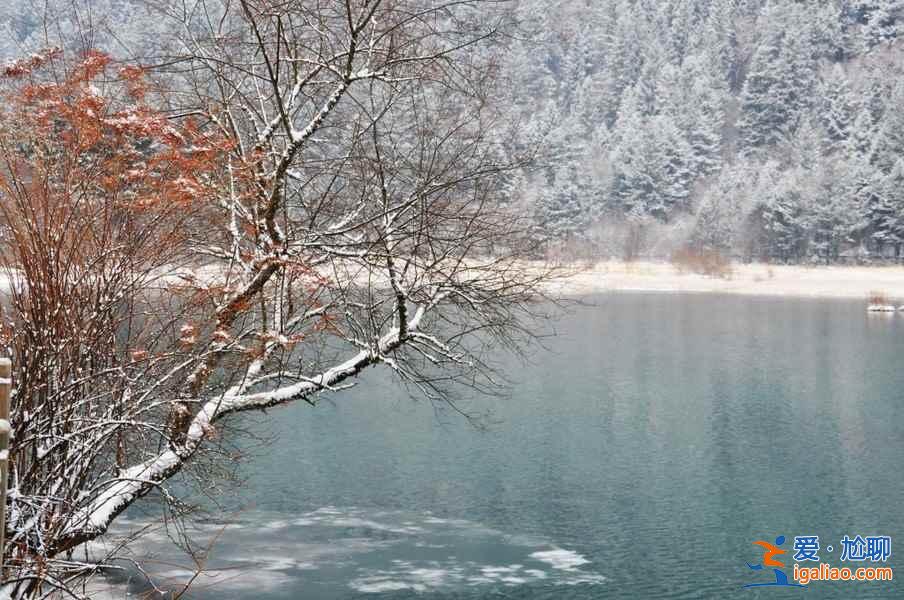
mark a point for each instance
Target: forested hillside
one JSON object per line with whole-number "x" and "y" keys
{"x": 768, "y": 130}
{"x": 761, "y": 129}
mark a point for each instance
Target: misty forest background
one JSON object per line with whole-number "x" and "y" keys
{"x": 764, "y": 130}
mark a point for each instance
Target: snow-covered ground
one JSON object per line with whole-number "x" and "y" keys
{"x": 751, "y": 279}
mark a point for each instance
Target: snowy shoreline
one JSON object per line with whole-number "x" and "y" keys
{"x": 753, "y": 279}
{"x": 745, "y": 279}
{"x": 581, "y": 279}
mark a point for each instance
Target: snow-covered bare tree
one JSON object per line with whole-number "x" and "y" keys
{"x": 303, "y": 191}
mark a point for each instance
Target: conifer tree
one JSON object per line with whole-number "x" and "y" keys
{"x": 837, "y": 108}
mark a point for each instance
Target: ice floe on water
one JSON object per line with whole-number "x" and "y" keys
{"x": 436, "y": 576}
{"x": 333, "y": 549}
{"x": 332, "y": 517}
{"x": 564, "y": 560}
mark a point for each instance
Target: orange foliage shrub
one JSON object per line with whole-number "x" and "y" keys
{"x": 90, "y": 132}
{"x": 99, "y": 191}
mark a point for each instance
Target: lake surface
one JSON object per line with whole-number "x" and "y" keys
{"x": 639, "y": 457}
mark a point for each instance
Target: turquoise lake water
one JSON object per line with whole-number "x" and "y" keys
{"x": 639, "y": 456}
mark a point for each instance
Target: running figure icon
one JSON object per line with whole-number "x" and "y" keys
{"x": 771, "y": 551}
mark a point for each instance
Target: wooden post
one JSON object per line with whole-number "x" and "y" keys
{"x": 6, "y": 373}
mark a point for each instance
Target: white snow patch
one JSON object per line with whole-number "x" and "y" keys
{"x": 267, "y": 562}
{"x": 227, "y": 579}
{"x": 510, "y": 575}
{"x": 327, "y": 510}
{"x": 455, "y": 522}
{"x": 432, "y": 577}
{"x": 378, "y": 585}
{"x": 558, "y": 558}
{"x": 274, "y": 525}
{"x": 332, "y": 517}
{"x": 494, "y": 571}
{"x": 882, "y": 308}
{"x": 584, "y": 578}
{"x": 404, "y": 575}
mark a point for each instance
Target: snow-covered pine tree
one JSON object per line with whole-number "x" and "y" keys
{"x": 779, "y": 86}
{"x": 651, "y": 163}
{"x": 783, "y": 216}
{"x": 880, "y": 21}
{"x": 888, "y": 215}
{"x": 720, "y": 212}
{"x": 888, "y": 144}
{"x": 701, "y": 114}
{"x": 864, "y": 188}
{"x": 836, "y": 107}
{"x": 719, "y": 41}
{"x": 563, "y": 217}
{"x": 766, "y": 111}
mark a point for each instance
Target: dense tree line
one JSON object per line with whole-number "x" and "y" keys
{"x": 765, "y": 129}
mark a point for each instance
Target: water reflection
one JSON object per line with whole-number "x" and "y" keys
{"x": 638, "y": 459}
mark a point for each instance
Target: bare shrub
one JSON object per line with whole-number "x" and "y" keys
{"x": 878, "y": 297}
{"x": 705, "y": 262}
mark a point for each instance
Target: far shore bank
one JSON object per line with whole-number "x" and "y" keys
{"x": 580, "y": 279}
{"x": 852, "y": 282}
